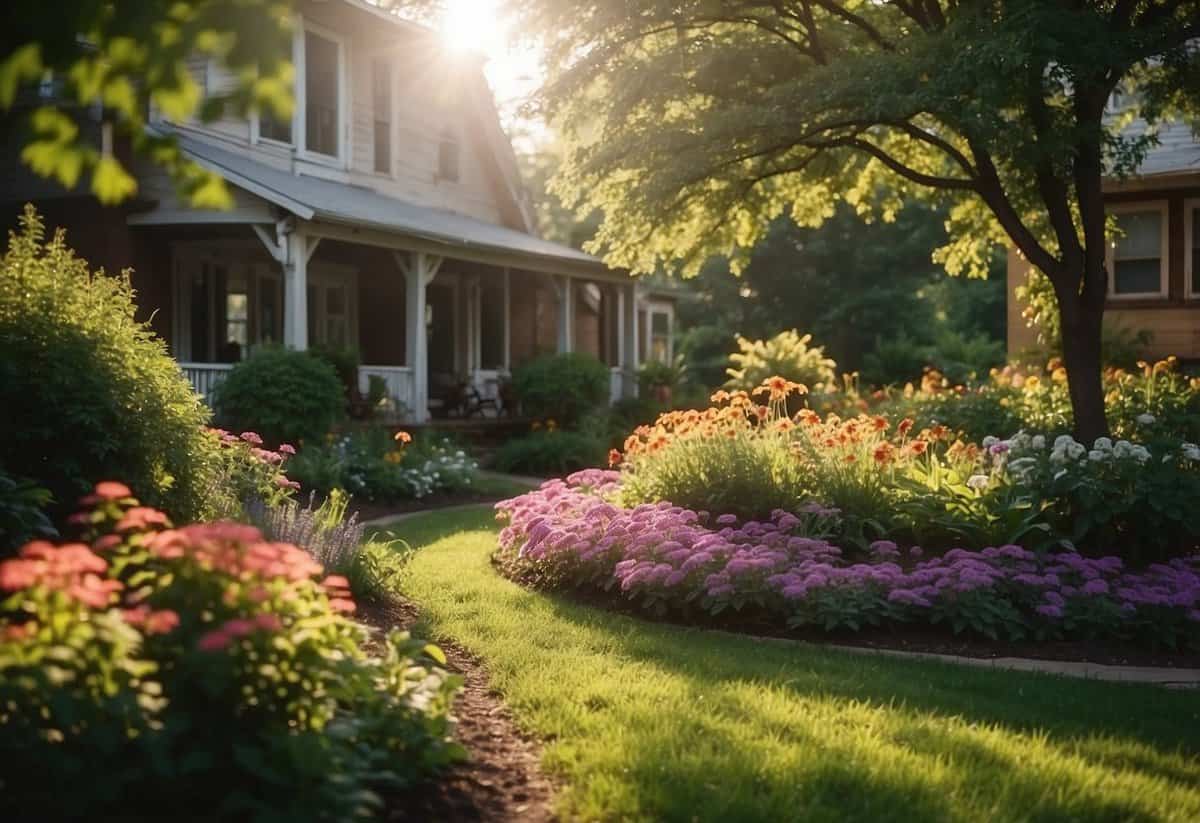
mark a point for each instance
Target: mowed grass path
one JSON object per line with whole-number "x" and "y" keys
{"x": 652, "y": 722}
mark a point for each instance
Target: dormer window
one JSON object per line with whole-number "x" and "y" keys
{"x": 448, "y": 156}
{"x": 322, "y": 94}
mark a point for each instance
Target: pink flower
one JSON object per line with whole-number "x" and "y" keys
{"x": 342, "y": 604}
{"x": 252, "y": 438}
{"x": 141, "y": 517}
{"x": 268, "y": 622}
{"x": 112, "y": 490}
{"x": 214, "y": 641}
{"x": 17, "y": 574}
{"x": 287, "y": 448}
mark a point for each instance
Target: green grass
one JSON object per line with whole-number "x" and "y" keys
{"x": 499, "y": 485}
{"x": 652, "y": 722}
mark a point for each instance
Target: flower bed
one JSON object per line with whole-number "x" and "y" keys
{"x": 202, "y": 668}
{"x": 668, "y": 559}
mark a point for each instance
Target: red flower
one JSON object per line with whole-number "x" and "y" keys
{"x": 614, "y": 458}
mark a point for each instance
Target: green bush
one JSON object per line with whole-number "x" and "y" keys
{"x": 551, "y": 452}
{"x": 22, "y": 512}
{"x": 88, "y": 392}
{"x": 283, "y": 395}
{"x": 787, "y": 355}
{"x": 561, "y": 387}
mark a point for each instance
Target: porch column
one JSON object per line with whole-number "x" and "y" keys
{"x": 291, "y": 249}
{"x": 566, "y": 315}
{"x": 419, "y": 269}
{"x": 507, "y": 319}
{"x": 627, "y": 336}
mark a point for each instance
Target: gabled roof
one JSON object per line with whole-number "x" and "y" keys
{"x": 310, "y": 198}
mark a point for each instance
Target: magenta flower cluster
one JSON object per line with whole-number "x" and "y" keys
{"x": 675, "y": 559}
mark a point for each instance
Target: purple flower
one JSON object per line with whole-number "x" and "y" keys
{"x": 1095, "y": 587}
{"x": 1053, "y": 612}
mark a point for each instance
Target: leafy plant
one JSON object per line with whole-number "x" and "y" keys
{"x": 787, "y": 355}
{"x": 203, "y": 666}
{"x": 561, "y": 387}
{"x": 22, "y": 512}
{"x": 547, "y": 452}
{"x": 88, "y": 391}
{"x": 286, "y": 396}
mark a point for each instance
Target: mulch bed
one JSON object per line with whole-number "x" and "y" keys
{"x": 900, "y": 637}
{"x": 502, "y": 780}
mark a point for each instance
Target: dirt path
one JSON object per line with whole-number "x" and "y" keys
{"x": 502, "y": 780}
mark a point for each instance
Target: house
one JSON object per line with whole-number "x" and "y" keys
{"x": 386, "y": 215}
{"x": 1154, "y": 265}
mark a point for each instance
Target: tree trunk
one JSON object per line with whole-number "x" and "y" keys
{"x": 1082, "y": 325}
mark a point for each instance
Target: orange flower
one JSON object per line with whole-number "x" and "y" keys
{"x": 918, "y": 447}
{"x": 614, "y": 458}
{"x": 720, "y": 396}
{"x": 905, "y": 427}
{"x": 402, "y": 437}
{"x": 879, "y": 423}
{"x": 883, "y": 453}
{"x": 784, "y": 425}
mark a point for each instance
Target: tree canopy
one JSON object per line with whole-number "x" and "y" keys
{"x": 127, "y": 58}
{"x": 694, "y": 124}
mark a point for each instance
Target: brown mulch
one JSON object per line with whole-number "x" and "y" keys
{"x": 502, "y": 779}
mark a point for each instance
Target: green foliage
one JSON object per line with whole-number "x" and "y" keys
{"x": 745, "y": 476}
{"x": 22, "y": 512}
{"x": 204, "y": 667}
{"x": 787, "y": 355}
{"x": 371, "y": 464}
{"x": 88, "y": 392}
{"x": 655, "y": 375}
{"x": 345, "y": 362}
{"x": 284, "y": 395}
{"x": 551, "y": 452}
{"x": 561, "y": 387}
{"x": 136, "y": 62}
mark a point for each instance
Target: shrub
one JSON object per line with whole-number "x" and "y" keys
{"x": 284, "y": 395}
{"x": 247, "y": 475}
{"x": 87, "y": 391}
{"x": 561, "y": 387}
{"x": 548, "y": 452}
{"x": 204, "y": 669}
{"x": 787, "y": 355}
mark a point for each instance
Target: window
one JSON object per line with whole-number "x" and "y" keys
{"x": 448, "y": 156}
{"x": 381, "y": 95}
{"x": 321, "y": 93}
{"x": 237, "y": 317}
{"x": 1138, "y": 254}
{"x": 660, "y": 337}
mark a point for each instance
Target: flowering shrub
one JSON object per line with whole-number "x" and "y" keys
{"x": 248, "y": 474}
{"x": 669, "y": 559}
{"x": 202, "y": 667}
{"x": 373, "y": 465}
{"x": 1118, "y": 494}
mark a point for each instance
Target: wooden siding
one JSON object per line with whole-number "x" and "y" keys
{"x": 431, "y": 94}
{"x": 1173, "y": 320}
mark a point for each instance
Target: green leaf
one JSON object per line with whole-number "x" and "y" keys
{"x": 110, "y": 182}
{"x": 23, "y": 65}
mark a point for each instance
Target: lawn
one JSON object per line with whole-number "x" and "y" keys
{"x": 653, "y": 722}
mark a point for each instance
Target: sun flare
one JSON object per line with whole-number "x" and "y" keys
{"x": 474, "y": 26}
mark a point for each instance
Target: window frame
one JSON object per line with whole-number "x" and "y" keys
{"x": 449, "y": 135}
{"x": 1191, "y": 276}
{"x": 256, "y": 135}
{"x": 300, "y": 117}
{"x": 1164, "y": 260}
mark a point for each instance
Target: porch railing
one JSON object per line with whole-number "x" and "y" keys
{"x": 205, "y": 376}
{"x": 401, "y": 388}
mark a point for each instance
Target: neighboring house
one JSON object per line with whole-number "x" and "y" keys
{"x": 387, "y": 215}
{"x": 1154, "y": 266}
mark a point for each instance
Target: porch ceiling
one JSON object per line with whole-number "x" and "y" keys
{"x": 313, "y": 199}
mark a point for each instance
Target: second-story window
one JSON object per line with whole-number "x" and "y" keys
{"x": 321, "y": 91}
{"x": 448, "y": 156}
{"x": 381, "y": 93}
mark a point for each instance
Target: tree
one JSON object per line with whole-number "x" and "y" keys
{"x": 692, "y": 124}
{"x": 130, "y": 57}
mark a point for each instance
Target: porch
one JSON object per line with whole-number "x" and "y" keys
{"x": 437, "y": 335}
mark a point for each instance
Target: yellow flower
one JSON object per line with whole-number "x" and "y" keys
{"x": 551, "y": 425}
{"x": 535, "y": 425}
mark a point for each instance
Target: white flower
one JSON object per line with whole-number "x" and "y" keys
{"x": 1058, "y": 456}
{"x": 1097, "y": 456}
{"x": 978, "y": 482}
{"x": 1141, "y": 454}
{"x": 1103, "y": 444}
{"x": 1146, "y": 418}
{"x": 1123, "y": 449}
{"x": 1038, "y": 442}
{"x": 1076, "y": 451}
{"x": 1063, "y": 441}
